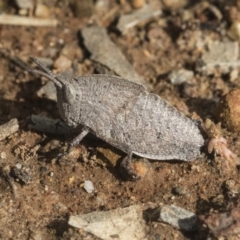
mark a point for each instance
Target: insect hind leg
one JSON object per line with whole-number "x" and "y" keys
{"x": 78, "y": 138}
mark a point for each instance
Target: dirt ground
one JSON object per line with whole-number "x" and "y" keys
{"x": 37, "y": 200}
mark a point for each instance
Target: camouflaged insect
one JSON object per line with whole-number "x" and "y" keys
{"x": 125, "y": 115}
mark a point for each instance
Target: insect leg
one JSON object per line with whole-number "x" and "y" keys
{"x": 79, "y": 137}
{"x": 75, "y": 141}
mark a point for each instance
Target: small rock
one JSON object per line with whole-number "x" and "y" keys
{"x": 76, "y": 152}
{"x": 226, "y": 224}
{"x": 62, "y": 63}
{"x": 8, "y": 128}
{"x": 72, "y": 156}
{"x": 178, "y": 217}
{"x": 138, "y": 3}
{"x": 228, "y": 110}
{"x": 3, "y": 155}
{"x": 221, "y": 56}
{"x": 234, "y": 75}
{"x": 102, "y": 6}
{"x": 121, "y": 223}
{"x": 19, "y": 166}
{"x": 108, "y": 155}
{"x": 174, "y": 4}
{"x": 218, "y": 145}
{"x": 233, "y": 188}
{"x": 41, "y": 11}
{"x": 23, "y": 12}
{"x": 23, "y": 174}
{"x": 180, "y": 76}
{"x": 234, "y": 18}
{"x": 218, "y": 200}
{"x": 72, "y": 51}
{"x": 88, "y": 186}
{"x": 180, "y": 190}
{"x": 36, "y": 236}
{"x": 132, "y": 19}
{"x": 105, "y": 52}
{"x": 62, "y": 207}
{"x": 234, "y": 31}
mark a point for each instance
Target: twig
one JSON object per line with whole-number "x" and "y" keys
{"x": 6, "y": 19}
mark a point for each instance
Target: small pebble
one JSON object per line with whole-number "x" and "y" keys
{"x": 234, "y": 31}
{"x": 180, "y": 76}
{"x": 174, "y": 4}
{"x": 228, "y": 110}
{"x": 71, "y": 180}
{"x": 3, "y": 155}
{"x": 46, "y": 188}
{"x": 234, "y": 75}
{"x": 62, "y": 63}
{"x": 23, "y": 12}
{"x": 178, "y": 217}
{"x": 42, "y": 169}
{"x": 220, "y": 56}
{"x": 88, "y": 186}
{"x": 36, "y": 236}
{"x": 42, "y": 11}
{"x": 72, "y": 51}
{"x": 102, "y": 6}
{"x": 180, "y": 190}
{"x": 218, "y": 200}
{"x": 137, "y": 3}
{"x": 18, "y": 165}
{"x": 232, "y": 188}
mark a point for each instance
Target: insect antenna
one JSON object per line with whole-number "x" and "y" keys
{"x": 46, "y": 72}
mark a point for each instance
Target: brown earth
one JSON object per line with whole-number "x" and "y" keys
{"x": 36, "y": 202}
